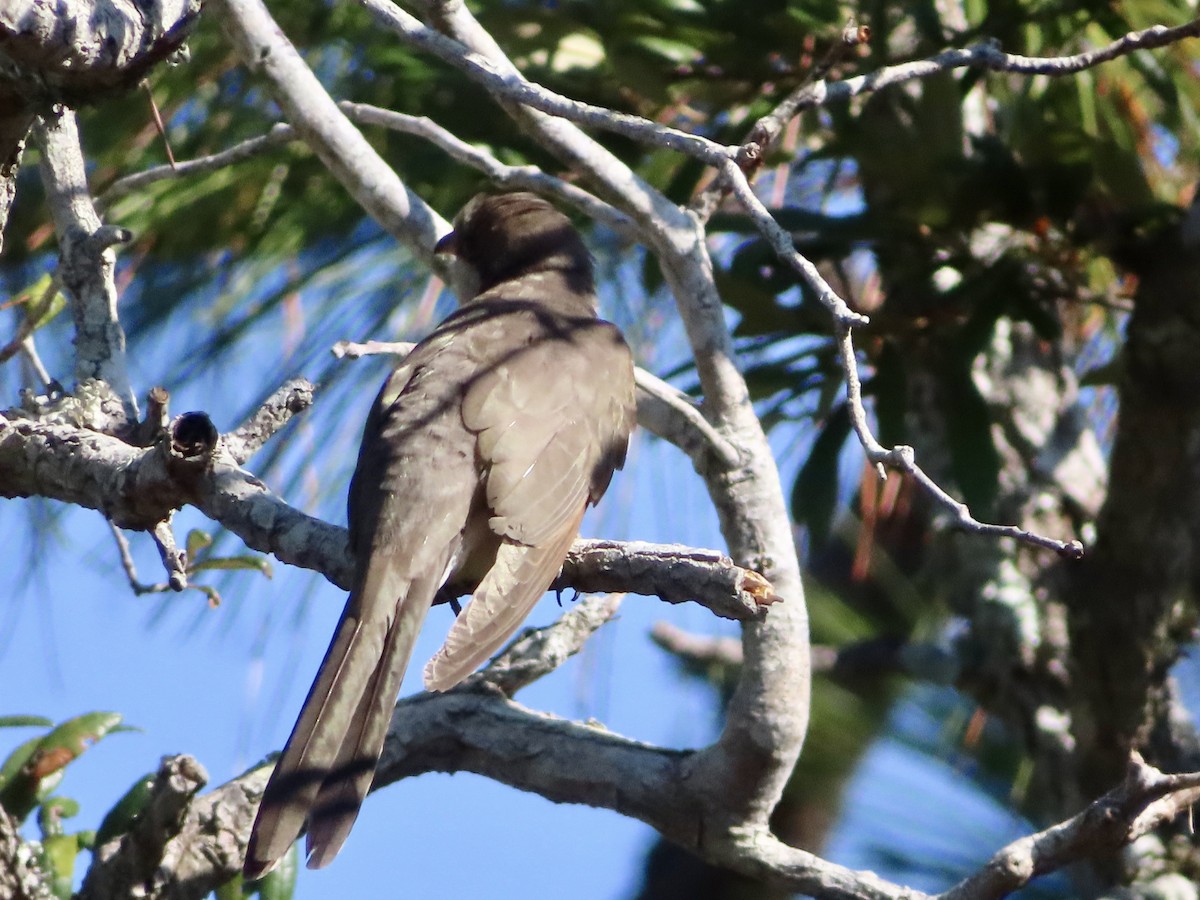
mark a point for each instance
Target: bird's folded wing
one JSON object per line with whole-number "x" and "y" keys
{"x": 548, "y": 419}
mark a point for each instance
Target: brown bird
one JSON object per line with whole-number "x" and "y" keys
{"x": 478, "y": 459}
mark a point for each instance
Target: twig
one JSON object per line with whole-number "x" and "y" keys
{"x": 1144, "y": 800}
{"x": 136, "y": 585}
{"x": 903, "y": 459}
{"x": 536, "y": 652}
{"x": 695, "y": 650}
{"x": 158, "y": 124}
{"x": 767, "y": 129}
{"x": 174, "y": 560}
{"x": 30, "y": 352}
{"x": 291, "y": 398}
{"x": 781, "y": 242}
{"x": 989, "y": 56}
{"x": 279, "y": 135}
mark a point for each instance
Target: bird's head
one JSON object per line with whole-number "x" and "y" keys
{"x": 506, "y": 236}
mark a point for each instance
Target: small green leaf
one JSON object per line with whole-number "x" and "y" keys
{"x": 25, "y": 722}
{"x": 245, "y": 563}
{"x": 119, "y": 819}
{"x": 198, "y": 540}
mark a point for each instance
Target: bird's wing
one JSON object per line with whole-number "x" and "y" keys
{"x": 552, "y": 420}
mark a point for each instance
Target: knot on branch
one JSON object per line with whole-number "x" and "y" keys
{"x": 191, "y": 440}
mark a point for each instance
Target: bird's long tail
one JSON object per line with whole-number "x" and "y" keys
{"x": 329, "y": 760}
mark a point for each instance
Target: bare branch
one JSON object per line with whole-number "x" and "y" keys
{"x": 174, "y": 560}
{"x": 87, "y": 260}
{"x": 279, "y": 135}
{"x": 138, "y": 586}
{"x": 1143, "y": 801}
{"x": 672, "y": 572}
{"x": 314, "y": 115}
{"x": 669, "y": 413}
{"x": 537, "y": 652}
{"x": 140, "y": 488}
{"x": 781, "y": 242}
{"x": 699, "y": 651}
{"x": 528, "y": 178}
{"x": 903, "y": 459}
{"x": 291, "y": 398}
{"x": 503, "y": 81}
{"x": 983, "y": 56}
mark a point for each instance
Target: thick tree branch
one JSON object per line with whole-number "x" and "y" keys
{"x": 140, "y": 488}
{"x": 315, "y": 116}
{"x": 76, "y": 53}
{"x": 86, "y": 260}
{"x": 141, "y": 862}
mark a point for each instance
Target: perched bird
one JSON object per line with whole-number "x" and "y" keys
{"x": 478, "y": 459}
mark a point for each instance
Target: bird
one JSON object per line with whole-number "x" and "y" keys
{"x": 478, "y": 459}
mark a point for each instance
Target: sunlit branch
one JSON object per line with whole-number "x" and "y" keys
{"x": 527, "y": 178}
{"x": 279, "y": 135}
{"x": 87, "y": 260}
{"x": 312, "y": 112}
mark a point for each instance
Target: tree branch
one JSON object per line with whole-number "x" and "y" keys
{"x": 86, "y": 261}
{"x": 290, "y": 399}
{"x": 340, "y": 146}
{"x": 140, "y": 488}
{"x": 1143, "y": 801}
{"x": 279, "y": 135}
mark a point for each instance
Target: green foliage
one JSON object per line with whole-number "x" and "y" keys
{"x": 31, "y": 773}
